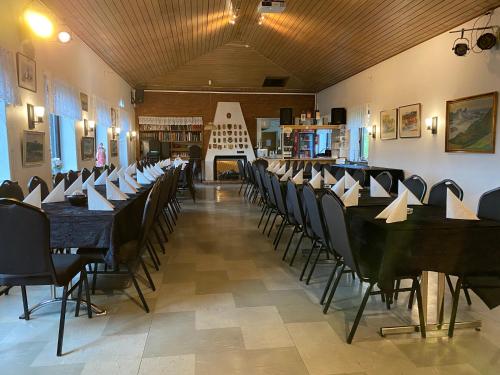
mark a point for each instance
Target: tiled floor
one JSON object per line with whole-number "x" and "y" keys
{"x": 226, "y": 304}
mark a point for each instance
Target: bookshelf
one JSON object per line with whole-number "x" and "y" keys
{"x": 178, "y": 132}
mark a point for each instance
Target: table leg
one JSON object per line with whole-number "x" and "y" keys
{"x": 439, "y": 326}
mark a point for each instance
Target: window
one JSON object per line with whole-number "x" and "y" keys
{"x": 55, "y": 137}
{"x": 364, "y": 143}
{"x": 4, "y": 145}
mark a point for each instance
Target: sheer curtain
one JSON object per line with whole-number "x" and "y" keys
{"x": 8, "y": 80}
{"x": 356, "y": 119}
{"x": 66, "y": 101}
{"x": 103, "y": 113}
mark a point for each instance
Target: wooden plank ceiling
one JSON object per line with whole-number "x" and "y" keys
{"x": 182, "y": 44}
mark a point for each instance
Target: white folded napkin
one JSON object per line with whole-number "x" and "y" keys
{"x": 113, "y": 176}
{"x": 351, "y": 197}
{"x": 412, "y": 199}
{"x": 102, "y": 178}
{"x": 339, "y": 187}
{"x": 35, "y": 197}
{"x": 113, "y": 192}
{"x": 315, "y": 182}
{"x": 152, "y": 172}
{"x": 456, "y": 209}
{"x": 142, "y": 179}
{"x": 158, "y": 169}
{"x": 288, "y": 173}
{"x": 271, "y": 166}
{"x": 376, "y": 190}
{"x": 125, "y": 187}
{"x": 183, "y": 166}
{"x": 329, "y": 179}
{"x": 281, "y": 171}
{"x": 131, "y": 181}
{"x": 56, "y": 195}
{"x": 168, "y": 162}
{"x": 97, "y": 202}
{"x": 349, "y": 181}
{"x": 89, "y": 181}
{"x": 131, "y": 169}
{"x": 148, "y": 175}
{"x": 298, "y": 179}
{"x": 314, "y": 172}
{"x": 77, "y": 185}
{"x": 121, "y": 172}
{"x": 396, "y": 211}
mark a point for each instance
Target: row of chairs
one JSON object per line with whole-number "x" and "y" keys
{"x": 29, "y": 260}
{"x": 323, "y": 222}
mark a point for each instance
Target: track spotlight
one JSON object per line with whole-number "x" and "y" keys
{"x": 486, "y": 41}
{"x": 462, "y": 48}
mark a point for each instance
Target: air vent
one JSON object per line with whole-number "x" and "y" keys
{"x": 275, "y": 81}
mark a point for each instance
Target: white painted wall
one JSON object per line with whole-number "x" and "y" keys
{"x": 75, "y": 64}
{"x": 429, "y": 74}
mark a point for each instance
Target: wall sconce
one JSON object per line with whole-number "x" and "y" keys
{"x": 131, "y": 135}
{"x": 35, "y": 115}
{"x": 88, "y": 126}
{"x": 373, "y": 132}
{"x": 115, "y": 132}
{"x": 432, "y": 124}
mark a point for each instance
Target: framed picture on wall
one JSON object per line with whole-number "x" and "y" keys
{"x": 113, "y": 148}
{"x": 33, "y": 148}
{"x": 87, "y": 148}
{"x": 26, "y": 72}
{"x": 114, "y": 118}
{"x": 471, "y": 124}
{"x": 389, "y": 124}
{"x": 84, "y": 101}
{"x": 409, "y": 121}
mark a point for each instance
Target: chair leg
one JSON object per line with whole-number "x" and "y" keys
{"x": 162, "y": 230}
{"x": 267, "y": 221}
{"x": 94, "y": 277}
{"x": 296, "y": 249}
{"x": 313, "y": 266}
{"x": 396, "y": 293}
{"x": 281, "y": 229}
{"x": 467, "y": 296}
{"x": 334, "y": 288}
{"x": 289, "y": 243}
{"x": 328, "y": 283}
{"x": 453, "y": 317}
{"x": 25, "y": 302}
{"x": 79, "y": 297}
{"x": 262, "y": 216}
{"x": 304, "y": 268}
{"x": 61, "y": 321}
{"x": 85, "y": 279}
{"x": 272, "y": 224}
{"x": 148, "y": 276}
{"x": 359, "y": 314}
{"x": 450, "y": 284}
{"x": 416, "y": 284}
{"x": 138, "y": 289}
{"x": 278, "y": 231}
{"x": 157, "y": 235}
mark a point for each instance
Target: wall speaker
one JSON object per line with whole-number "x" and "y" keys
{"x": 286, "y": 116}
{"x": 139, "y": 96}
{"x": 339, "y": 116}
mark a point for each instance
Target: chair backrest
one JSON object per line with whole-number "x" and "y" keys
{"x": 417, "y": 186}
{"x": 317, "y": 166}
{"x": 300, "y": 165}
{"x": 24, "y": 259}
{"x": 266, "y": 179}
{"x": 262, "y": 162}
{"x": 294, "y": 203}
{"x": 241, "y": 170}
{"x": 313, "y": 213}
{"x": 287, "y": 164}
{"x": 339, "y": 173}
{"x": 385, "y": 180}
{"x": 260, "y": 182}
{"x": 61, "y": 177}
{"x": 337, "y": 229}
{"x": 11, "y": 189}
{"x": 112, "y": 167}
{"x": 194, "y": 152}
{"x": 308, "y": 168}
{"x": 85, "y": 174}
{"x": 148, "y": 217}
{"x": 37, "y": 181}
{"x": 295, "y": 166}
{"x": 489, "y": 205}
{"x": 278, "y": 194}
{"x": 97, "y": 172}
{"x": 72, "y": 176}
{"x": 437, "y": 194}
{"x": 360, "y": 176}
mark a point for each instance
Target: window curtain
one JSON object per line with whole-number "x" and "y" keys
{"x": 356, "y": 119}
{"x": 66, "y": 101}
{"x": 8, "y": 80}
{"x": 103, "y": 113}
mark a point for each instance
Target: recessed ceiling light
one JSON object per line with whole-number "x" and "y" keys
{"x": 247, "y": 45}
{"x": 39, "y": 23}
{"x": 64, "y": 37}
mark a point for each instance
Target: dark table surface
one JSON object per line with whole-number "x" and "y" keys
{"x": 77, "y": 227}
{"x": 426, "y": 241}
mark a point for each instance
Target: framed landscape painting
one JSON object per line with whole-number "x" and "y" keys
{"x": 33, "y": 148}
{"x": 113, "y": 148}
{"x": 87, "y": 148}
{"x": 471, "y": 124}
{"x": 389, "y": 124}
{"x": 409, "y": 121}
{"x": 26, "y": 72}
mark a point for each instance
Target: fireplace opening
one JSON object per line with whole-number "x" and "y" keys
{"x": 226, "y": 167}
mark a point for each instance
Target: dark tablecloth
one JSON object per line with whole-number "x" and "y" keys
{"x": 397, "y": 174}
{"x": 75, "y": 227}
{"x": 426, "y": 241}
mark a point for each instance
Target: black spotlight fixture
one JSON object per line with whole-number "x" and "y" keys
{"x": 486, "y": 41}
{"x": 461, "y": 45}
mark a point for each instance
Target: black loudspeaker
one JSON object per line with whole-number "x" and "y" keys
{"x": 139, "y": 96}
{"x": 286, "y": 116}
{"x": 339, "y": 116}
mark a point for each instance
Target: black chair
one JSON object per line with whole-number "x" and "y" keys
{"x": 72, "y": 177}
{"x": 339, "y": 172}
{"x": 280, "y": 199}
{"x": 308, "y": 169}
{"x": 36, "y": 181}
{"x": 61, "y": 177}
{"x": 300, "y": 165}
{"x": 385, "y": 180}
{"x": 85, "y": 174}
{"x": 340, "y": 239}
{"x": 417, "y": 186}
{"x": 112, "y": 167}
{"x": 97, "y": 172}
{"x": 360, "y": 176}
{"x": 26, "y": 259}
{"x": 437, "y": 194}
{"x": 11, "y": 189}
{"x": 295, "y": 166}
{"x": 489, "y": 205}
{"x": 317, "y": 166}
{"x": 242, "y": 174}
